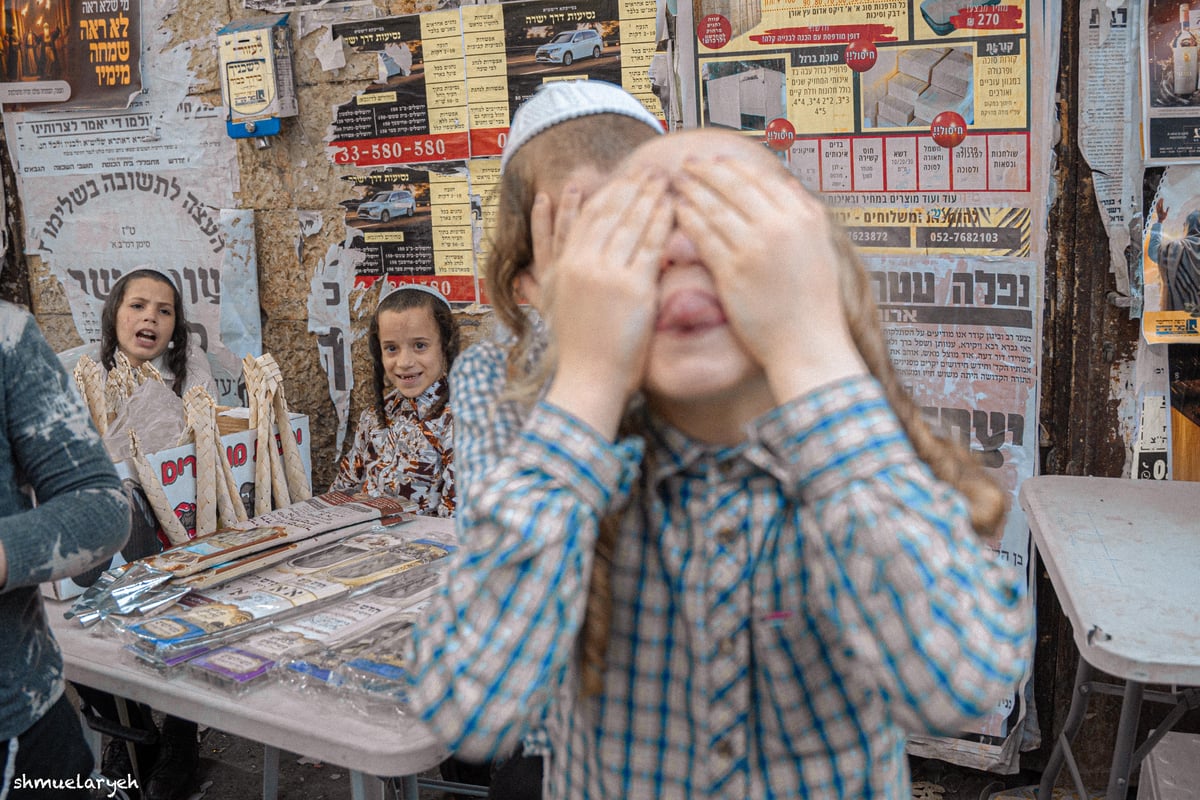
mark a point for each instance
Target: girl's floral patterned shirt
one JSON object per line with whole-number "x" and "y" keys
{"x": 410, "y": 458}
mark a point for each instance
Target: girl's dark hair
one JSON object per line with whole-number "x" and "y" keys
{"x": 176, "y": 353}
{"x": 401, "y": 300}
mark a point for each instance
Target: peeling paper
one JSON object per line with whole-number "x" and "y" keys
{"x": 330, "y": 52}
{"x": 311, "y": 222}
{"x": 395, "y": 57}
{"x": 93, "y": 212}
{"x": 1151, "y": 443}
{"x": 241, "y": 322}
{"x": 329, "y": 318}
{"x": 974, "y": 375}
{"x": 170, "y": 129}
{"x": 1109, "y": 125}
{"x": 324, "y": 16}
{"x": 281, "y": 6}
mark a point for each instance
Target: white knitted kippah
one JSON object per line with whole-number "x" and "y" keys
{"x": 559, "y": 101}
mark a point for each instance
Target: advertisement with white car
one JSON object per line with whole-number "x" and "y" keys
{"x": 413, "y": 225}
{"x": 567, "y": 47}
{"x": 513, "y": 48}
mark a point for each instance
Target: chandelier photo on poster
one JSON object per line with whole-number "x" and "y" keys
{"x": 75, "y": 54}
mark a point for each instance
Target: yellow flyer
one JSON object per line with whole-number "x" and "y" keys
{"x": 878, "y": 102}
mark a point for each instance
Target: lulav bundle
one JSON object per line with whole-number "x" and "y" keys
{"x": 281, "y": 478}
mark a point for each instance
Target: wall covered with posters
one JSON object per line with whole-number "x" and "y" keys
{"x": 1138, "y": 132}
{"x": 926, "y": 126}
{"x": 282, "y": 244}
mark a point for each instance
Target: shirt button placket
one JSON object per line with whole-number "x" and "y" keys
{"x": 724, "y": 749}
{"x": 724, "y": 623}
{"x": 726, "y": 754}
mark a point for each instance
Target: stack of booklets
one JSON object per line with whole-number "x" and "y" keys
{"x": 300, "y": 584}
{"x": 250, "y": 662}
{"x": 218, "y": 557}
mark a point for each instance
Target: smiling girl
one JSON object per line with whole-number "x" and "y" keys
{"x": 404, "y": 445}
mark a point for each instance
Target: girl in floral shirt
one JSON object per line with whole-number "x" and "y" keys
{"x": 404, "y": 446}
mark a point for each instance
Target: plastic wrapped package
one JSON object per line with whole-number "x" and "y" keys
{"x": 170, "y": 666}
{"x": 235, "y": 669}
{"x": 313, "y": 673}
{"x": 328, "y": 512}
{"x": 366, "y": 672}
{"x": 376, "y": 680}
{"x": 123, "y": 591}
{"x": 215, "y": 559}
{"x": 271, "y": 596}
{"x": 155, "y": 412}
{"x": 316, "y": 554}
{"x": 250, "y": 662}
{"x": 255, "y": 562}
{"x": 356, "y": 554}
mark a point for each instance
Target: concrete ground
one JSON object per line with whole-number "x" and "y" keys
{"x": 231, "y": 769}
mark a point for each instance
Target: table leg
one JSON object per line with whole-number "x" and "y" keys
{"x": 1079, "y": 704}
{"x": 365, "y": 787}
{"x": 409, "y": 788}
{"x": 270, "y": 772}
{"x": 1131, "y": 707}
{"x": 123, "y": 718}
{"x": 95, "y": 742}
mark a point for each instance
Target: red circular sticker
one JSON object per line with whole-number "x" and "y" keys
{"x": 948, "y": 129}
{"x": 861, "y": 55}
{"x": 780, "y": 134}
{"x": 714, "y": 31}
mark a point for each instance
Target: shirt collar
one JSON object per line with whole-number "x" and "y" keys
{"x": 394, "y": 402}
{"x": 675, "y": 453}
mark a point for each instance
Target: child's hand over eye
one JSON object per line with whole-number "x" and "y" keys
{"x": 603, "y": 300}
{"x": 549, "y": 222}
{"x": 767, "y": 243}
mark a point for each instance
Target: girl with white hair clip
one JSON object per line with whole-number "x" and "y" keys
{"x": 404, "y": 444}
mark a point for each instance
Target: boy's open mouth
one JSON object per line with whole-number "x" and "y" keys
{"x": 689, "y": 311}
{"x": 146, "y": 336}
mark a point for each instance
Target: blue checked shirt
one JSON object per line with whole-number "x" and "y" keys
{"x": 485, "y": 427}
{"x": 784, "y": 610}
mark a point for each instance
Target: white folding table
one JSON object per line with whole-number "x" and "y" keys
{"x": 277, "y": 716}
{"x": 1124, "y": 558}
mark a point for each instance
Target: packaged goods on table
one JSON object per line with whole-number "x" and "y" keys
{"x": 320, "y": 514}
{"x": 270, "y": 596}
{"x": 250, "y": 662}
{"x": 209, "y": 560}
{"x": 368, "y": 673}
